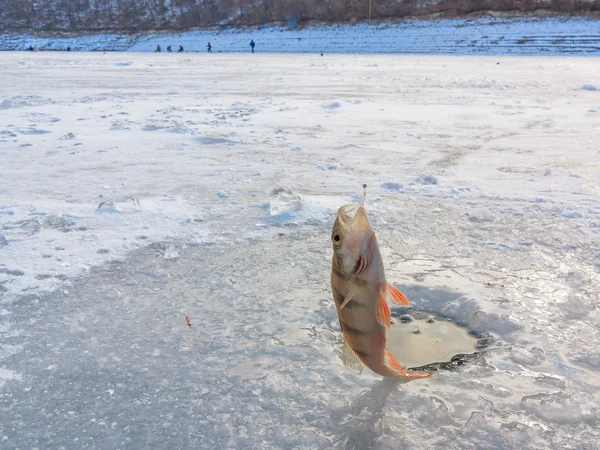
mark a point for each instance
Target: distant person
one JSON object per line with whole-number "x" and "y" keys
{"x": 180, "y": 49}
{"x": 30, "y": 48}
{"x": 69, "y": 48}
{"x": 36, "y": 48}
{"x": 158, "y": 49}
{"x": 252, "y": 44}
{"x": 209, "y": 47}
{"x": 169, "y": 49}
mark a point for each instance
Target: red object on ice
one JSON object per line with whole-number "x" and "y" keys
{"x": 187, "y": 319}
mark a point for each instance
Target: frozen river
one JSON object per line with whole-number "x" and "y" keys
{"x": 138, "y": 189}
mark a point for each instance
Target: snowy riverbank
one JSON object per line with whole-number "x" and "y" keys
{"x": 576, "y": 36}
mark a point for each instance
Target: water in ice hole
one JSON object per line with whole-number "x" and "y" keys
{"x": 421, "y": 340}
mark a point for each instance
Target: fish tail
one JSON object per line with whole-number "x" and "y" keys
{"x": 399, "y": 371}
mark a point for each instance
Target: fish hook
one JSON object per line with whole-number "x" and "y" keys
{"x": 364, "y": 195}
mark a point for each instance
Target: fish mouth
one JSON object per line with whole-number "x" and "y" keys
{"x": 354, "y": 216}
{"x": 347, "y": 213}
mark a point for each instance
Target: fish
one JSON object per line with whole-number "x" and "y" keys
{"x": 361, "y": 294}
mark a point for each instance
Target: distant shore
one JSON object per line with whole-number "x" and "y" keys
{"x": 516, "y": 36}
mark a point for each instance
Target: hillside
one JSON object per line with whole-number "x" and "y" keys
{"x": 127, "y": 16}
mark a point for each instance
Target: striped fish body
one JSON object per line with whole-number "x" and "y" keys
{"x": 361, "y": 293}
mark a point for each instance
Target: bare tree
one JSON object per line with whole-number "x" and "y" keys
{"x": 134, "y": 15}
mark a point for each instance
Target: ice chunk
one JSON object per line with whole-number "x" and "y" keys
{"x": 124, "y": 204}
{"x": 523, "y": 356}
{"x": 392, "y": 186}
{"x": 558, "y": 407}
{"x": 121, "y": 125}
{"x": 572, "y": 214}
{"x": 333, "y": 105}
{"x": 24, "y": 101}
{"x": 284, "y": 201}
{"x": 171, "y": 252}
{"x": 327, "y": 166}
{"x": 67, "y": 136}
{"x": 32, "y": 226}
{"x": 14, "y": 273}
{"x": 480, "y": 216}
{"x": 171, "y": 127}
{"x": 427, "y": 179}
{"x": 32, "y": 131}
{"x": 214, "y": 140}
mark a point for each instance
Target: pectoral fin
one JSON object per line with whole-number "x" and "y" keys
{"x": 383, "y": 311}
{"x": 395, "y": 296}
{"x": 350, "y": 359}
{"x": 349, "y": 296}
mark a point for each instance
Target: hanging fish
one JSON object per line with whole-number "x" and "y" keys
{"x": 361, "y": 293}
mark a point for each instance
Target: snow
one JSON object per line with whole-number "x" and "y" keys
{"x": 134, "y": 195}
{"x": 519, "y": 36}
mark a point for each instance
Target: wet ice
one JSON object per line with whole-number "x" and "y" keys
{"x": 220, "y": 211}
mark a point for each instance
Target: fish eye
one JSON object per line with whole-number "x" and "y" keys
{"x": 336, "y": 238}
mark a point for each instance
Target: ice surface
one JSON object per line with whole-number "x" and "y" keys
{"x": 110, "y": 239}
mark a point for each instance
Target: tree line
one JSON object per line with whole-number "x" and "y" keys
{"x": 145, "y": 15}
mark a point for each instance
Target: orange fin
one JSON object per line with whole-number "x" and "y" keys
{"x": 383, "y": 311}
{"x": 396, "y": 297}
{"x": 392, "y": 363}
